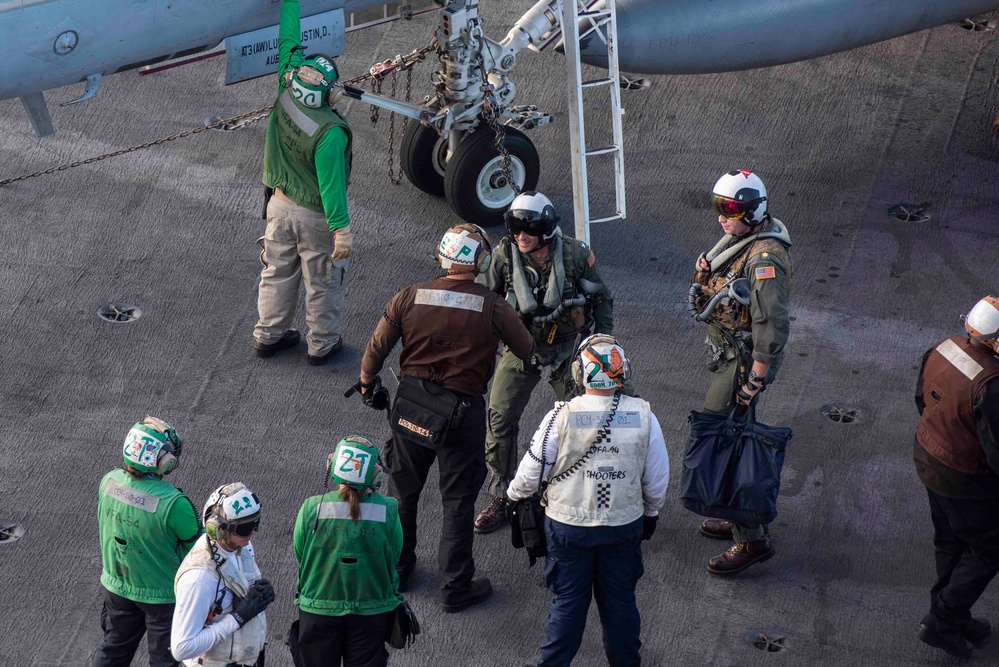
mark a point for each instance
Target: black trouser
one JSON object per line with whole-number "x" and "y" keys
{"x": 357, "y": 640}
{"x": 966, "y": 537}
{"x": 124, "y": 622}
{"x": 461, "y": 463}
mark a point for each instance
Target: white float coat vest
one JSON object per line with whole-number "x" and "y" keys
{"x": 606, "y": 489}
{"x": 238, "y": 571}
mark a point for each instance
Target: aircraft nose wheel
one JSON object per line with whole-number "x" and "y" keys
{"x": 474, "y": 183}
{"x": 424, "y": 156}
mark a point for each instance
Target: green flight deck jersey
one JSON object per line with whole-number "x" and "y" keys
{"x": 147, "y": 526}
{"x": 346, "y": 567}
{"x": 304, "y": 155}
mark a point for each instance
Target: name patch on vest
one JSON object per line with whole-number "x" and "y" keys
{"x": 960, "y": 359}
{"x": 340, "y": 510}
{"x": 419, "y": 430}
{"x": 622, "y": 419}
{"x": 449, "y": 299}
{"x": 137, "y": 499}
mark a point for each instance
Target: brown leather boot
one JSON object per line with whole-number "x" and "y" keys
{"x": 717, "y": 529}
{"x": 492, "y": 517}
{"x": 741, "y": 555}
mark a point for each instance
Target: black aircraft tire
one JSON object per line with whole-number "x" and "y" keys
{"x": 418, "y": 154}
{"x": 474, "y": 184}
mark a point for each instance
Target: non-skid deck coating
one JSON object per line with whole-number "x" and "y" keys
{"x": 171, "y": 229}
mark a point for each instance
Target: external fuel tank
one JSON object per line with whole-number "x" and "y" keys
{"x": 701, "y": 36}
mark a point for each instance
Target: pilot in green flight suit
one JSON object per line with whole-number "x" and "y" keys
{"x": 745, "y": 338}
{"x": 537, "y": 269}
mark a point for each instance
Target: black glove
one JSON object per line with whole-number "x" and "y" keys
{"x": 374, "y": 395}
{"x": 649, "y": 526}
{"x": 256, "y": 600}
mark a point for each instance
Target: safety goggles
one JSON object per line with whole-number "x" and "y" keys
{"x": 245, "y": 529}
{"x": 733, "y": 209}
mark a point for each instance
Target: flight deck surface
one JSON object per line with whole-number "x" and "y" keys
{"x": 171, "y": 229}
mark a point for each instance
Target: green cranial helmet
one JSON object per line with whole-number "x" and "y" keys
{"x": 356, "y": 463}
{"x": 152, "y": 446}
{"x": 310, "y": 83}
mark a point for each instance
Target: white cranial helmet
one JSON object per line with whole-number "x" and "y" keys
{"x": 982, "y": 323}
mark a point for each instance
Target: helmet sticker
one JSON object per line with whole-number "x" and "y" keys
{"x": 352, "y": 465}
{"x": 141, "y": 449}
{"x": 240, "y": 505}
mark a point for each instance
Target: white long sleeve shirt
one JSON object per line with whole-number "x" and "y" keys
{"x": 197, "y": 591}
{"x": 655, "y": 475}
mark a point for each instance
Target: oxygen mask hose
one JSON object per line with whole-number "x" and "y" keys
{"x": 737, "y": 289}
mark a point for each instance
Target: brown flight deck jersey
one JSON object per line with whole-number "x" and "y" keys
{"x": 957, "y": 394}
{"x": 449, "y": 329}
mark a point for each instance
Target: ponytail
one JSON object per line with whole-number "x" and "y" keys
{"x": 353, "y": 499}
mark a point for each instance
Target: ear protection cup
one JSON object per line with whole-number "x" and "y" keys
{"x": 484, "y": 256}
{"x": 166, "y": 463}
{"x": 329, "y": 463}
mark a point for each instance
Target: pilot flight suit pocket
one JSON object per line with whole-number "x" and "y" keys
{"x": 756, "y": 307}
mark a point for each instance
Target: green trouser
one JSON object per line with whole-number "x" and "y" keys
{"x": 508, "y": 398}
{"x": 723, "y": 363}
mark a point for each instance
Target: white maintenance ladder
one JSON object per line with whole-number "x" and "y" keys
{"x": 604, "y": 15}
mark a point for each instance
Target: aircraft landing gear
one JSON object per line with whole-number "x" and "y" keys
{"x": 474, "y": 183}
{"x": 424, "y": 156}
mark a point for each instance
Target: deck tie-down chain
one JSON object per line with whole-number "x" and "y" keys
{"x": 377, "y": 74}
{"x": 235, "y": 122}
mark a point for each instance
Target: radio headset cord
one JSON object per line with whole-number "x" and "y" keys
{"x": 602, "y": 432}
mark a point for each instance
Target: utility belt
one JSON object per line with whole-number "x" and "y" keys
{"x": 425, "y": 412}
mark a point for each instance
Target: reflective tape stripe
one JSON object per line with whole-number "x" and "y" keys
{"x": 959, "y": 358}
{"x": 341, "y": 510}
{"x": 304, "y": 123}
{"x": 449, "y": 299}
{"x": 137, "y": 499}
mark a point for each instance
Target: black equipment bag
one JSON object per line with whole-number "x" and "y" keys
{"x": 404, "y": 627}
{"x": 731, "y": 469}
{"x": 424, "y": 412}
{"x": 527, "y": 526}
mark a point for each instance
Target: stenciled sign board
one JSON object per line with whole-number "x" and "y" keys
{"x": 255, "y": 53}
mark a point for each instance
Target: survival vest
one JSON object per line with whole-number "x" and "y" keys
{"x": 293, "y": 132}
{"x": 729, "y": 314}
{"x": 139, "y": 551}
{"x": 238, "y": 570}
{"x": 597, "y": 478}
{"x": 954, "y": 373}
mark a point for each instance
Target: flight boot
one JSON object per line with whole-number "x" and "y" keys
{"x": 288, "y": 339}
{"x": 949, "y": 640}
{"x": 320, "y": 359}
{"x": 492, "y": 517}
{"x": 741, "y": 555}
{"x": 478, "y": 591}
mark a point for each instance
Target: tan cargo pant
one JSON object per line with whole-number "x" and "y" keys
{"x": 297, "y": 243}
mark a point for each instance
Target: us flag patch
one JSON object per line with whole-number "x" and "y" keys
{"x": 764, "y": 272}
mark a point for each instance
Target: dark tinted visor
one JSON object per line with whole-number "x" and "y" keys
{"x": 525, "y": 221}
{"x": 245, "y": 529}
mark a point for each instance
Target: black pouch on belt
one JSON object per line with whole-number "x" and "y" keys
{"x": 424, "y": 412}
